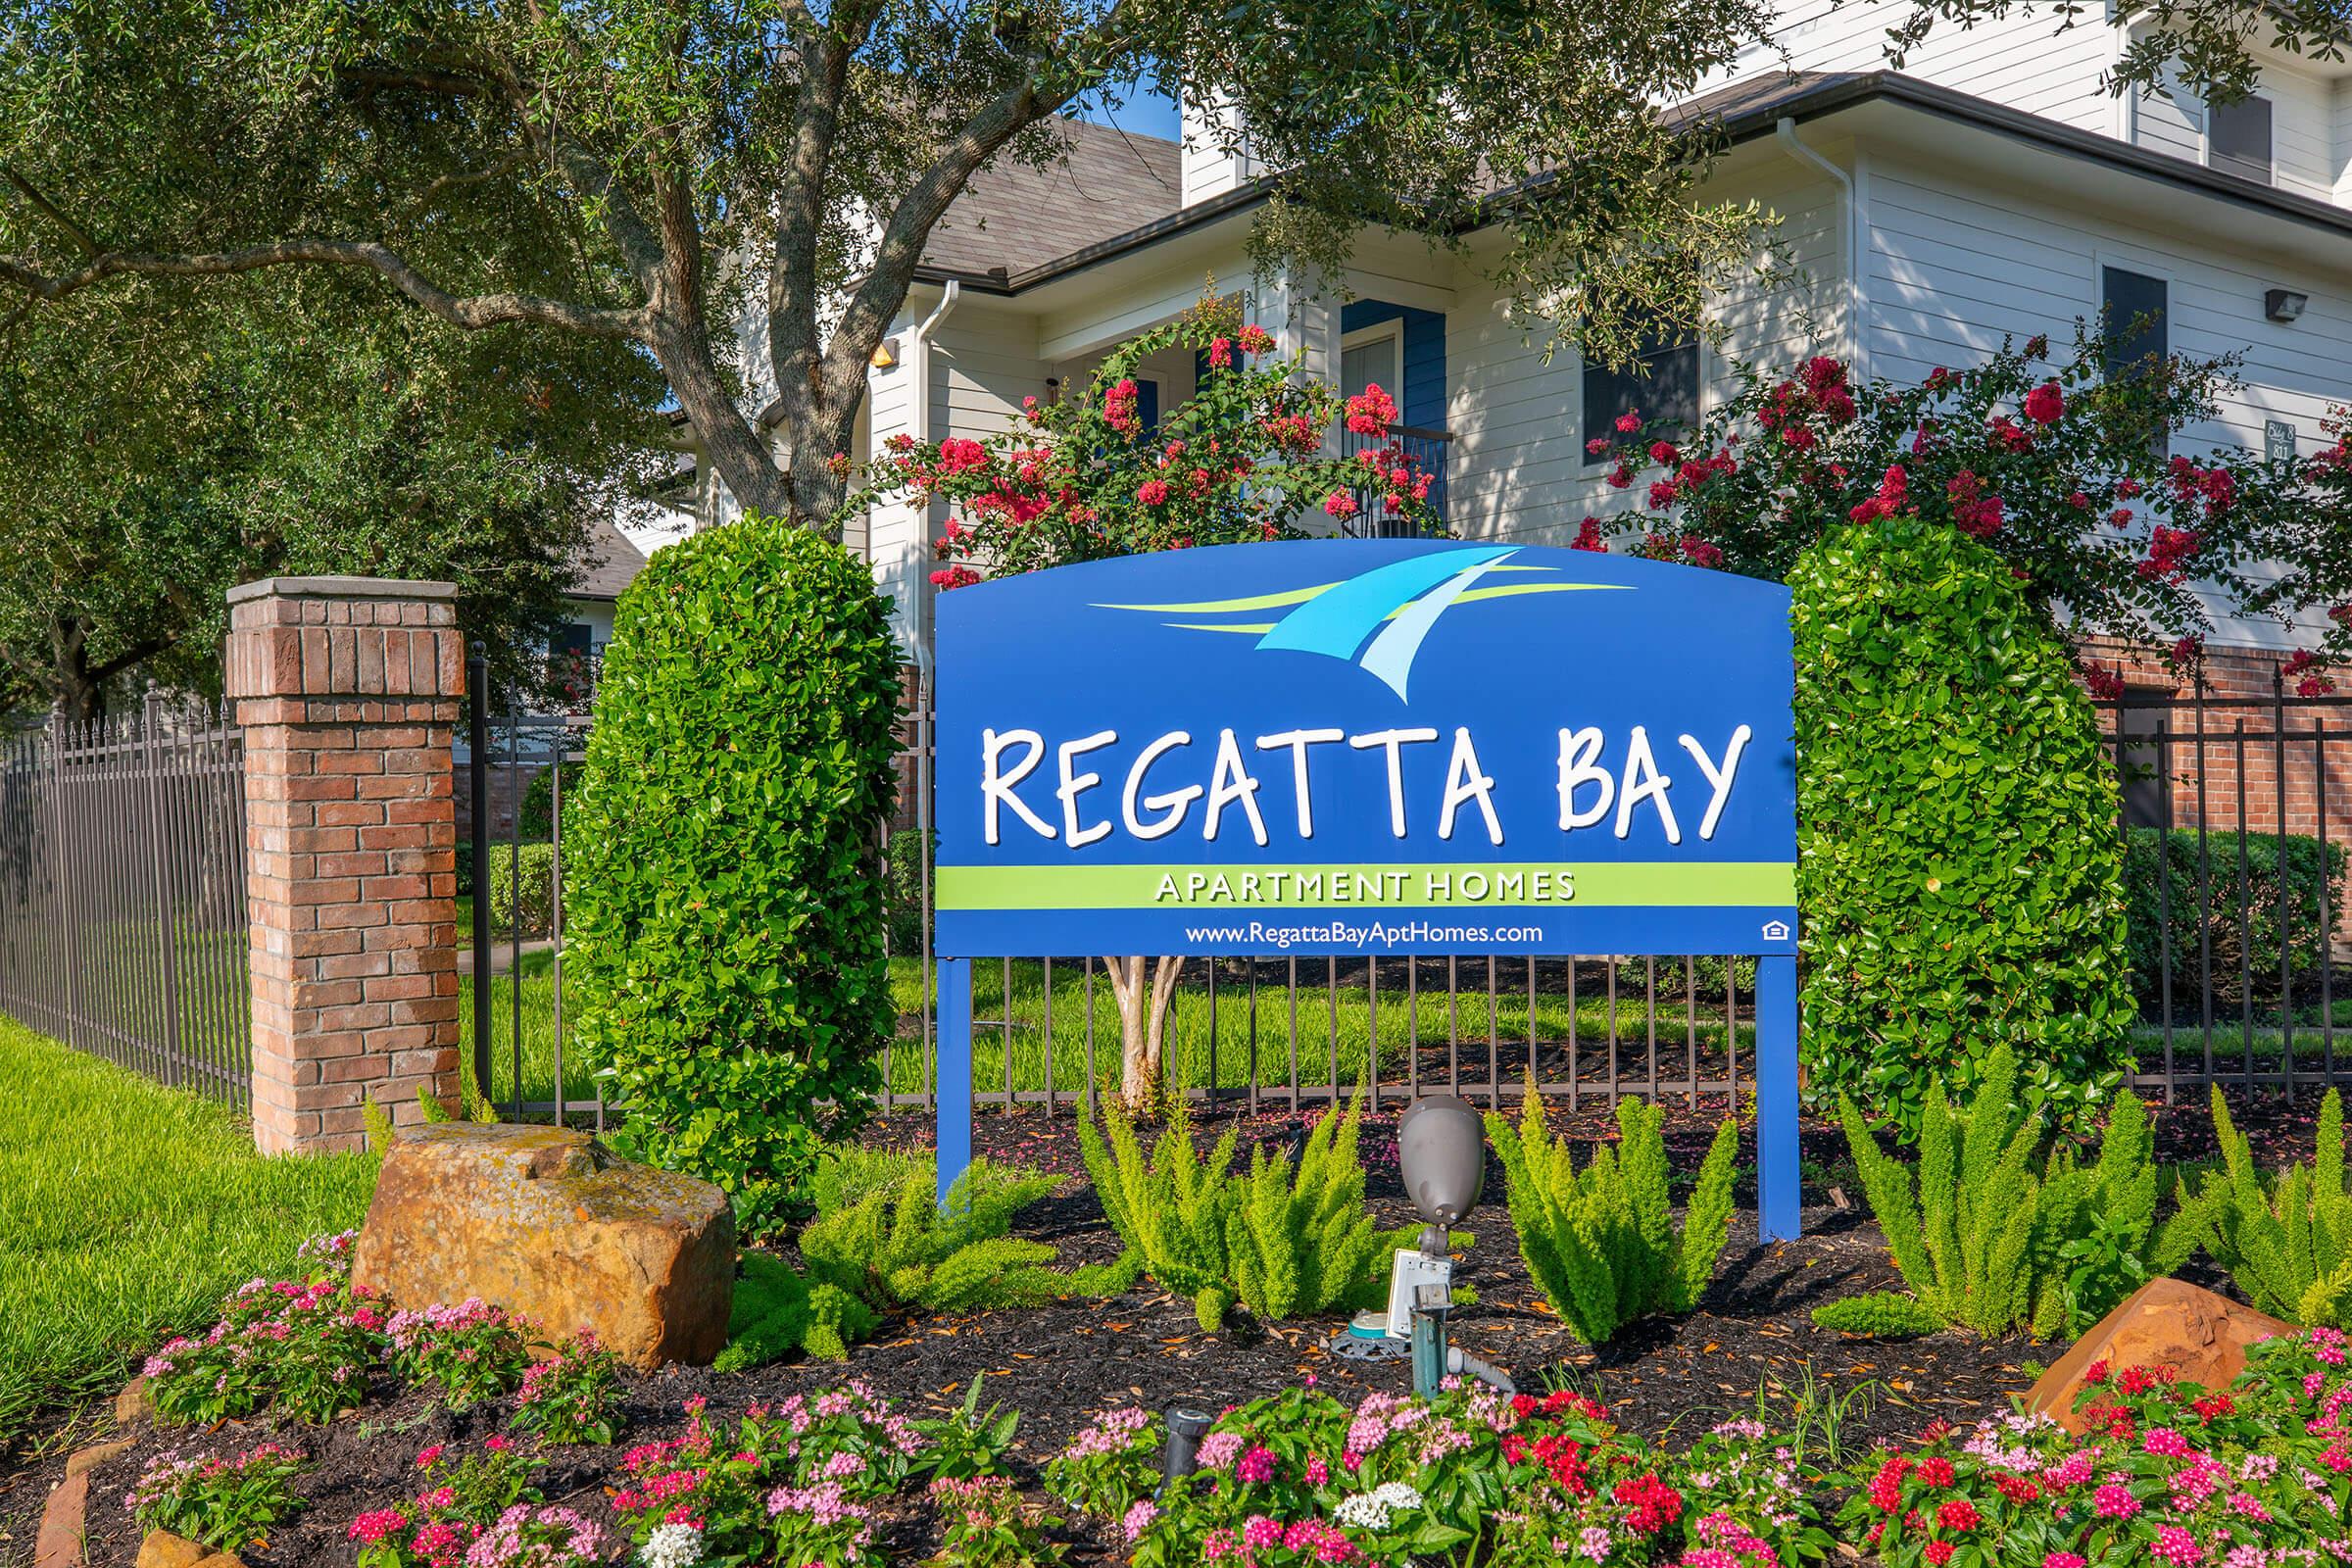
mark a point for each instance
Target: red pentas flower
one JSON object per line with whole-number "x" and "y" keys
{"x": 2046, "y": 404}
{"x": 1936, "y": 1471}
{"x": 1653, "y": 1504}
{"x": 1958, "y": 1513}
{"x": 1938, "y": 1552}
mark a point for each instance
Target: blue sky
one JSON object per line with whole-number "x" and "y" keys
{"x": 1149, "y": 113}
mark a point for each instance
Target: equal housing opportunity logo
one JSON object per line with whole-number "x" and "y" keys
{"x": 1376, "y": 619}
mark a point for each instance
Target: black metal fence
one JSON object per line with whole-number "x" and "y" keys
{"x": 2237, "y": 820}
{"x": 123, "y": 924}
{"x": 2237, "y": 938}
{"x": 516, "y": 767}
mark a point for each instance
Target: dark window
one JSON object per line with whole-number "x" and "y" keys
{"x": 2146, "y": 800}
{"x": 2241, "y": 138}
{"x": 1668, "y": 395}
{"x": 2136, "y": 319}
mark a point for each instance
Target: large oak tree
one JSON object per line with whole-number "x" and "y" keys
{"x": 165, "y": 444}
{"x": 646, "y": 170}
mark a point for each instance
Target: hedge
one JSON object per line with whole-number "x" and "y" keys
{"x": 1959, "y": 867}
{"x": 2315, "y": 886}
{"x": 537, "y": 906}
{"x": 725, "y": 913}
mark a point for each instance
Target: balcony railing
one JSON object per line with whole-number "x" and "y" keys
{"x": 1429, "y": 450}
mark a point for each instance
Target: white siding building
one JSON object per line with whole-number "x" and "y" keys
{"x": 1990, "y": 189}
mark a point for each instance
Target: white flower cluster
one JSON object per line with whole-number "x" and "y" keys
{"x": 672, "y": 1547}
{"x": 1372, "y": 1510}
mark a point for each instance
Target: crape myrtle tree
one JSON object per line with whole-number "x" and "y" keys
{"x": 2065, "y": 471}
{"x": 167, "y": 443}
{"x": 1082, "y": 478}
{"x": 646, "y": 170}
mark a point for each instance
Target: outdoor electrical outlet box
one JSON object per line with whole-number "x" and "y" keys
{"x": 1408, "y": 1274}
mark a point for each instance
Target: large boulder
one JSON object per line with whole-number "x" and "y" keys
{"x": 544, "y": 1222}
{"x": 2165, "y": 1323}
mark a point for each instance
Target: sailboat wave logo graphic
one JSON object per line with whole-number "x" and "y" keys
{"x": 1376, "y": 619}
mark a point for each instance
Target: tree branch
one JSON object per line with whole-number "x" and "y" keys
{"x": 884, "y": 287}
{"x": 137, "y": 652}
{"x": 49, "y": 210}
{"x": 471, "y": 312}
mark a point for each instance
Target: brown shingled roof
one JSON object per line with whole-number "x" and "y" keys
{"x": 1016, "y": 216}
{"x": 608, "y": 565}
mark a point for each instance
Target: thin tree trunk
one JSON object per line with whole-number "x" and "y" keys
{"x": 1146, "y": 992}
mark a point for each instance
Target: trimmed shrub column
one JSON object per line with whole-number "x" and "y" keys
{"x": 348, "y": 690}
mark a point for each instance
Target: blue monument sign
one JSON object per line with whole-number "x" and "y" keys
{"x": 1370, "y": 748}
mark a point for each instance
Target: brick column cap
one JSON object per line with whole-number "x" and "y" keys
{"x": 340, "y": 588}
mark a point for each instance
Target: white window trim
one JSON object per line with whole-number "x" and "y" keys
{"x": 2164, "y": 272}
{"x": 1710, "y": 367}
{"x": 2205, "y": 133}
{"x": 1392, "y": 327}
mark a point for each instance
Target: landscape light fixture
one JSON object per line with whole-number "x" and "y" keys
{"x": 1441, "y": 1155}
{"x": 2284, "y": 306}
{"x": 1187, "y": 1424}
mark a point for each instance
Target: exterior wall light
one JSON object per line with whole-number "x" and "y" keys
{"x": 886, "y": 353}
{"x": 2284, "y": 305}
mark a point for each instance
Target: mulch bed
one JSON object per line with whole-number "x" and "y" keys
{"x": 1060, "y": 1363}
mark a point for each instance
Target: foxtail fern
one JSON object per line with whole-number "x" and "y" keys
{"x": 1601, "y": 1243}
{"x": 1283, "y": 1241}
{"x": 1303, "y": 1241}
{"x": 2288, "y": 1244}
{"x": 1991, "y": 1240}
{"x": 893, "y": 1247}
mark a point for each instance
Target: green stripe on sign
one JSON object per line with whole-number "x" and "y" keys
{"x": 1594, "y": 885}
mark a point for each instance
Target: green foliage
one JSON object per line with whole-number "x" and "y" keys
{"x": 2288, "y": 1241}
{"x": 2314, "y": 878}
{"x": 894, "y": 1248}
{"x": 1601, "y": 1243}
{"x": 1990, "y": 1238}
{"x": 1283, "y": 1242}
{"x": 535, "y": 815}
{"x": 1958, "y": 862}
{"x": 725, "y": 918}
{"x": 1880, "y": 1314}
{"x": 533, "y": 913}
{"x": 903, "y": 872}
{"x": 775, "y": 1312}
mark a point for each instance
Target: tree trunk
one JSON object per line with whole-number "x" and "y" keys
{"x": 79, "y": 696}
{"x": 1145, "y": 996}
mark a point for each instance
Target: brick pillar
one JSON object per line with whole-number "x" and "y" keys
{"x": 348, "y": 690}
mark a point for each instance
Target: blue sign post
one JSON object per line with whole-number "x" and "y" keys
{"x": 1370, "y": 748}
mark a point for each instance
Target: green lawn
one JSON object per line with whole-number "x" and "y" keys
{"x": 127, "y": 1210}
{"x": 1189, "y": 1029}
